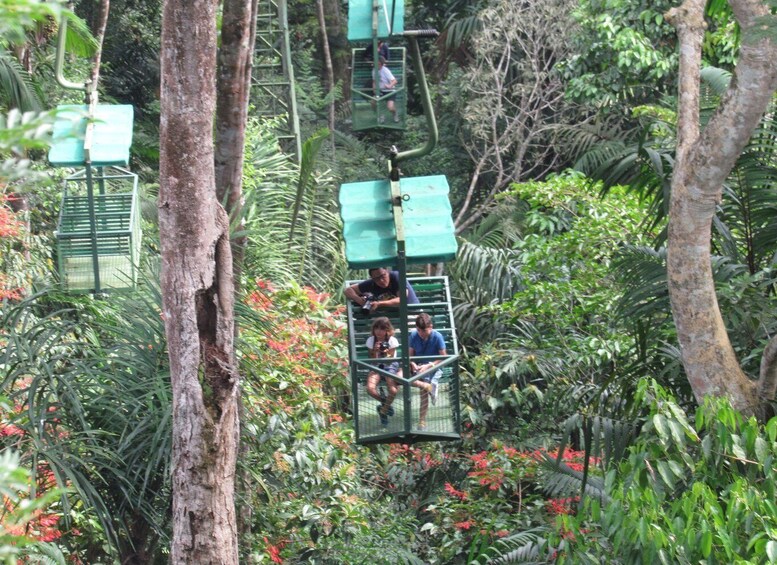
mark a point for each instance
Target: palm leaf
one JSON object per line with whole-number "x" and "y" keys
{"x": 310, "y": 150}
{"x": 16, "y": 87}
{"x": 79, "y": 39}
{"x": 272, "y": 190}
{"x": 520, "y": 547}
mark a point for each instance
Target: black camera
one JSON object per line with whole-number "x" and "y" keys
{"x": 368, "y": 298}
{"x": 384, "y": 346}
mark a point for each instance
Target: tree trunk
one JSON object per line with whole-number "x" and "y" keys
{"x": 233, "y": 87}
{"x": 197, "y": 292}
{"x": 235, "y": 58}
{"x": 330, "y": 77}
{"x": 702, "y": 165}
{"x": 340, "y": 48}
{"x": 101, "y": 22}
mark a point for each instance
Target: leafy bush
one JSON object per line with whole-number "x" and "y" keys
{"x": 689, "y": 492}
{"x": 302, "y": 469}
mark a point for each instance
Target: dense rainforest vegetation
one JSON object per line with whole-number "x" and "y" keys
{"x": 600, "y": 423}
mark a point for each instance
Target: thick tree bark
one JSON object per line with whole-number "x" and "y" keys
{"x": 233, "y": 86}
{"x": 702, "y": 165}
{"x": 238, "y": 35}
{"x": 197, "y": 291}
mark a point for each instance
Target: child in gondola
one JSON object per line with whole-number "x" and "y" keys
{"x": 383, "y": 345}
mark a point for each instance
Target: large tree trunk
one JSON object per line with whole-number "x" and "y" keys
{"x": 197, "y": 292}
{"x": 235, "y": 58}
{"x": 702, "y": 165}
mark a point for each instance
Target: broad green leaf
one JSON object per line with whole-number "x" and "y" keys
{"x": 706, "y": 544}
{"x": 666, "y": 473}
{"x": 738, "y": 451}
{"x": 659, "y": 421}
{"x": 771, "y": 551}
{"x": 761, "y": 449}
{"x": 678, "y": 434}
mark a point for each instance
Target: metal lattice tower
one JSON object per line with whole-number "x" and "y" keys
{"x": 273, "y": 74}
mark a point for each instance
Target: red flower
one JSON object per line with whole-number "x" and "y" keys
{"x": 460, "y": 494}
{"x": 466, "y": 525}
{"x": 561, "y": 505}
{"x": 274, "y": 551}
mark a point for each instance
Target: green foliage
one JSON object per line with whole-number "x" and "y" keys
{"x": 691, "y": 490}
{"x": 566, "y": 257}
{"x": 744, "y": 230}
{"x": 623, "y": 50}
{"x": 308, "y": 497}
{"x": 313, "y": 252}
{"x": 96, "y": 374}
{"x": 21, "y": 528}
{"x": 130, "y": 60}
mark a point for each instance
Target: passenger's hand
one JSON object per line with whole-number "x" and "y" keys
{"x": 374, "y": 305}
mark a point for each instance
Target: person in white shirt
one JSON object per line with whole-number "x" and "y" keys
{"x": 383, "y": 345}
{"x": 388, "y": 85}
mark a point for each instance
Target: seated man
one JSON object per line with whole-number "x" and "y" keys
{"x": 382, "y": 289}
{"x": 425, "y": 341}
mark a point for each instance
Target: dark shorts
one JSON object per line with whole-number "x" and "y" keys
{"x": 386, "y": 92}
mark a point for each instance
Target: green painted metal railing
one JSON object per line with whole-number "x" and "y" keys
{"x": 98, "y": 234}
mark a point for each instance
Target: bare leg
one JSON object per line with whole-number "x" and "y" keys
{"x": 424, "y": 409}
{"x": 391, "y": 388}
{"x": 372, "y": 386}
{"x": 392, "y": 108}
{"x": 426, "y": 388}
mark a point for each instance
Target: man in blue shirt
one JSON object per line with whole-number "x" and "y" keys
{"x": 382, "y": 289}
{"x": 425, "y": 341}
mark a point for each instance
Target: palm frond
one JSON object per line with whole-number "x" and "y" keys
{"x": 79, "y": 39}
{"x": 310, "y": 150}
{"x": 642, "y": 271}
{"x": 482, "y": 277}
{"x": 42, "y": 553}
{"x": 459, "y": 29}
{"x": 561, "y": 481}
{"x": 312, "y": 255}
{"x": 716, "y": 79}
{"x": 520, "y": 547}
{"x": 16, "y": 86}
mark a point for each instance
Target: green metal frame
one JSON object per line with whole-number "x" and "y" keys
{"x": 273, "y": 73}
{"x": 98, "y": 233}
{"x": 444, "y": 419}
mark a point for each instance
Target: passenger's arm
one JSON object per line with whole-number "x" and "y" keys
{"x": 353, "y": 294}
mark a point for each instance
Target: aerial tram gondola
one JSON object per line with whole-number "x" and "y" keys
{"x": 375, "y": 21}
{"x": 399, "y": 221}
{"x": 98, "y": 234}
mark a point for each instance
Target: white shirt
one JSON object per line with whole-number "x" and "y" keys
{"x": 393, "y": 342}
{"x": 387, "y": 80}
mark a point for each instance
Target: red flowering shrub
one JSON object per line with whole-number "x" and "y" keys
{"x": 500, "y": 494}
